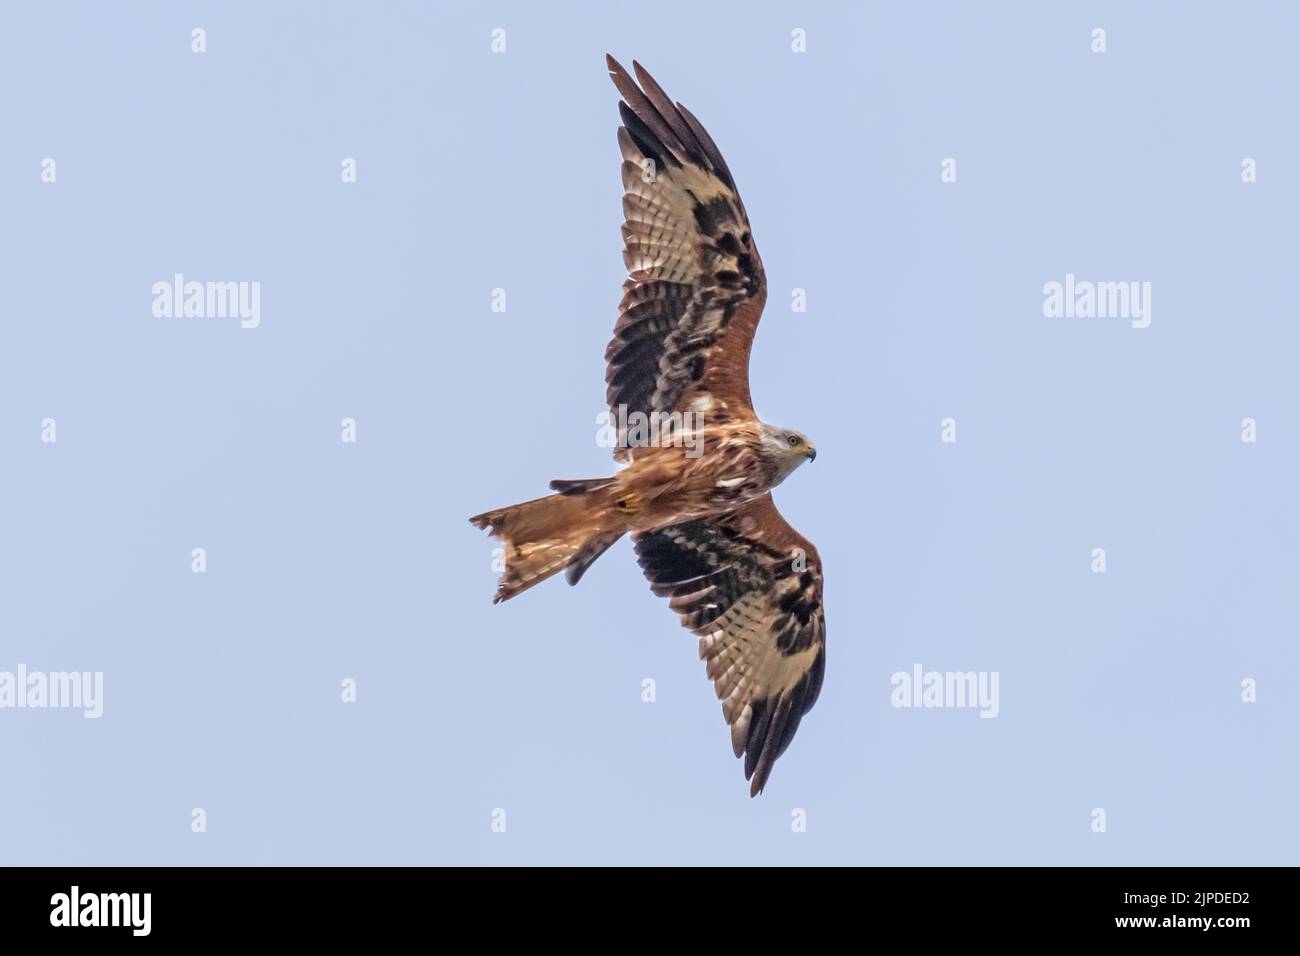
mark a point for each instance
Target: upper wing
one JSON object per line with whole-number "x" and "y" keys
{"x": 751, "y": 587}
{"x": 695, "y": 288}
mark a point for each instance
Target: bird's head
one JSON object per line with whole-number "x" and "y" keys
{"x": 786, "y": 448}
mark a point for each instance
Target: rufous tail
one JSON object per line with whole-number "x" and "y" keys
{"x": 547, "y": 535}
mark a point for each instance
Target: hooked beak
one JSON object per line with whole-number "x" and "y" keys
{"x": 812, "y": 453}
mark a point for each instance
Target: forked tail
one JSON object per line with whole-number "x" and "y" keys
{"x": 547, "y": 535}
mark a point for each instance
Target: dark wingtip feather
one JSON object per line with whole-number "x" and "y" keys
{"x": 647, "y": 140}
{"x": 710, "y": 147}
{"x": 664, "y": 129}
{"x": 663, "y": 103}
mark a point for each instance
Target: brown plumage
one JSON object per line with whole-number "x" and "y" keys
{"x": 698, "y": 500}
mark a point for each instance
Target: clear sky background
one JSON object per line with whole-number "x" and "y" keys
{"x": 476, "y": 171}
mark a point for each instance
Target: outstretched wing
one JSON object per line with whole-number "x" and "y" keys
{"x": 751, "y": 587}
{"x": 695, "y": 288}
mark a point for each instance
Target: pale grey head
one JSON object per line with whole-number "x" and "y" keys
{"x": 786, "y": 448}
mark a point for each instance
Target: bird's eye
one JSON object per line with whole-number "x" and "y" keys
{"x": 793, "y": 440}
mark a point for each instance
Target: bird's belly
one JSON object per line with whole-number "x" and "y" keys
{"x": 699, "y": 493}
{"x": 731, "y": 492}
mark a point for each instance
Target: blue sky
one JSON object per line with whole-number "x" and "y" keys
{"x": 328, "y": 561}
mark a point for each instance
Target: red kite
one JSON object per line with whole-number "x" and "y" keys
{"x": 696, "y": 497}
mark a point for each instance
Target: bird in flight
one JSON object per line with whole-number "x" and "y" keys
{"x": 695, "y": 492}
